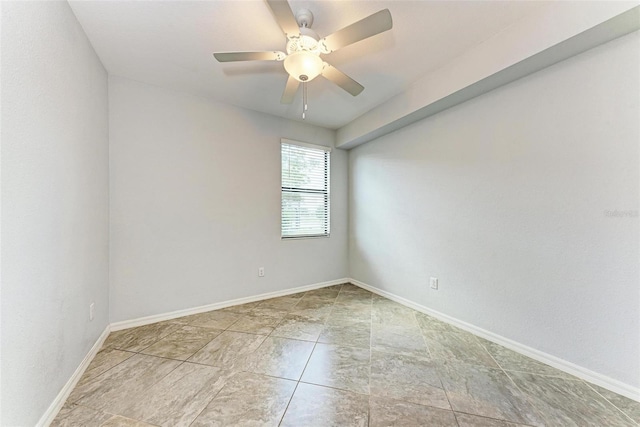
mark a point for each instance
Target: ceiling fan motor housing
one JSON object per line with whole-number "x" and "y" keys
{"x": 306, "y": 41}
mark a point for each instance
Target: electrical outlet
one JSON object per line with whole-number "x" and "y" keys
{"x": 433, "y": 283}
{"x": 261, "y": 272}
{"x": 92, "y": 310}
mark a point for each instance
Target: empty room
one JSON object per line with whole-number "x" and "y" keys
{"x": 320, "y": 213}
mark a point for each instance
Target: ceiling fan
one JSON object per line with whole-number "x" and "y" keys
{"x": 304, "y": 47}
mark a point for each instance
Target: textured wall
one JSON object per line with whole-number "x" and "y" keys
{"x": 195, "y": 203}
{"x": 510, "y": 200}
{"x": 54, "y": 204}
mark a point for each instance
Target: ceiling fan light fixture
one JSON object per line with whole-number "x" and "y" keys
{"x": 303, "y": 66}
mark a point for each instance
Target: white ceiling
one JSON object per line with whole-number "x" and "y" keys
{"x": 170, "y": 44}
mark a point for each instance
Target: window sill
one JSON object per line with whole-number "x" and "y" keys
{"x": 283, "y": 238}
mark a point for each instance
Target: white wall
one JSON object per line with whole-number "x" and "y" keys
{"x": 54, "y": 204}
{"x": 195, "y": 203}
{"x": 504, "y": 199}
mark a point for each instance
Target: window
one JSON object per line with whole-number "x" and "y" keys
{"x": 305, "y": 190}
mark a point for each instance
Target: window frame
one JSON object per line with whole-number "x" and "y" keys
{"x": 327, "y": 192}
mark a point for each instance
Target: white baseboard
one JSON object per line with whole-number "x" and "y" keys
{"x": 48, "y": 417}
{"x": 125, "y": 324}
{"x": 568, "y": 367}
{"x": 571, "y": 368}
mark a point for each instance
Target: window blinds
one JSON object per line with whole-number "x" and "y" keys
{"x": 305, "y": 190}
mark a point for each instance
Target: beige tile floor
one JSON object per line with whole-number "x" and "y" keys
{"x": 337, "y": 356}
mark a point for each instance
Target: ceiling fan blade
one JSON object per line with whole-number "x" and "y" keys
{"x": 370, "y": 26}
{"x": 249, "y": 56}
{"x": 336, "y": 76}
{"x": 284, "y": 16}
{"x": 290, "y": 91}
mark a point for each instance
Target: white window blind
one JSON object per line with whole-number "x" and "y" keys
{"x": 305, "y": 190}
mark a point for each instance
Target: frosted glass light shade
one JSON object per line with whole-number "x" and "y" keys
{"x": 303, "y": 66}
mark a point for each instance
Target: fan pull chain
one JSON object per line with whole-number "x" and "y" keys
{"x": 304, "y": 100}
